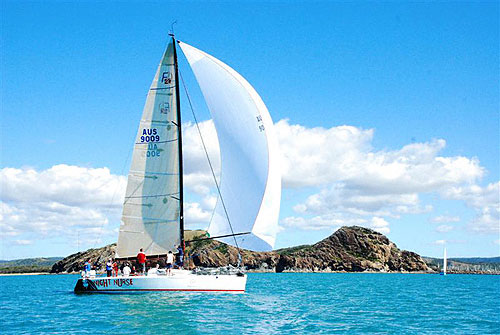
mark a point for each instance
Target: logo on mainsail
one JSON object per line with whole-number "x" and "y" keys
{"x": 164, "y": 108}
{"x": 166, "y": 77}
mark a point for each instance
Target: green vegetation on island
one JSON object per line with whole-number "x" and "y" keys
{"x": 28, "y": 265}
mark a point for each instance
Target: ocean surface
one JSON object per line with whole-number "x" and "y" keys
{"x": 275, "y": 303}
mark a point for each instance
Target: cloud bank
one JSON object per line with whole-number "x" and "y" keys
{"x": 344, "y": 180}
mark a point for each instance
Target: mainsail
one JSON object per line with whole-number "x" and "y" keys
{"x": 151, "y": 210}
{"x": 250, "y": 182}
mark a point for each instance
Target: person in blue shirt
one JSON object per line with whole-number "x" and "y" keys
{"x": 180, "y": 256}
{"x": 109, "y": 267}
{"x": 86, "y": 266}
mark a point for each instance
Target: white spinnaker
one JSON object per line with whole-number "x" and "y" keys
{"x": 250, "y": 181}
{"x": 150, "y": 218}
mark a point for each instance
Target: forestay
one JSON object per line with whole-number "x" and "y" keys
{"x": 250, "y": 181}
{"x": 151, "y": 208}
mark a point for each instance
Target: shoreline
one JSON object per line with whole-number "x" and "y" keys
{"x": 253, "y": 271}
{"x": 26, "y": 274}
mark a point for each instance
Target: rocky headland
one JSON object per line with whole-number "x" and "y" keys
{"x": 349, "y": 249}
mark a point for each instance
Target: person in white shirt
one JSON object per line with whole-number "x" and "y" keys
{"x": 170, "y": 262}
{"x": 126, "y": 270}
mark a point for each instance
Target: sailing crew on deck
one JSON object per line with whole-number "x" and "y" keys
{"x": 141, "y": 258}
{"x": 109, "y": 268}
{"x": 170, "y": 262}
{"x": 180, "y": 256}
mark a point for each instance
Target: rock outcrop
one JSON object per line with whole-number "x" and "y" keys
{"x": 349, "y": 249}
{"x": 74, "y": 262}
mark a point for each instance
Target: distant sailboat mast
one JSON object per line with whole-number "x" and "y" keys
{"x": 445, "y": 262}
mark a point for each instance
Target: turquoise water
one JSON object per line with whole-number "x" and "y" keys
{"x": 285, "y": 303}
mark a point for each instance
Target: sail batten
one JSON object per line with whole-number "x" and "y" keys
{"x": 250, "y": 182}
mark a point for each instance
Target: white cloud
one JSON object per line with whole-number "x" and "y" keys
{"x": 61, "y": 201}
{"x": 448, "y": 242}
{"x": 475, "y": 196}
{"x": 444, "y": 228}
{"x": 321, "y": 222}
{"x": 197, "y": 215}
{"x": 23, "y": 242}
{"x": 351, "y": 184}
{"x": 318, "y": 156}
{"x": 63, "y": 184}
{"x": 341, "y": 198}
{"x": 356, "y": 182}
{"x": 445, "y": 219}
{"x": 484, "y": 200}
{"x": 486, "y": 221}
{"x": 335, "y": 221}
{"x": 380, "y": 225}
{"x": 197, "y": 175}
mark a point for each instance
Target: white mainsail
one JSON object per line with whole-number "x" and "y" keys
{"x": 250, "y": 181}
{"x": 151, "y": 210}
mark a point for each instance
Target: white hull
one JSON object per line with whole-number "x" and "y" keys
{"x": 180, "y": 280}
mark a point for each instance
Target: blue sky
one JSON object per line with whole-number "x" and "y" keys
{"x": 417, "y": 84}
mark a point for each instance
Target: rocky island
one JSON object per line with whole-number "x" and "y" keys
{"x": 349, "y": 249}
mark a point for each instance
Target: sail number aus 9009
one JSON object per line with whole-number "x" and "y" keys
{"x": 150, "y": 135}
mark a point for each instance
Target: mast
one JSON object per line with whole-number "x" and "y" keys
{"x": 181, "y": 174}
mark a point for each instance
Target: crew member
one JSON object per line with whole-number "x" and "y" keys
{"x": 170, "y": 262}
{"x": 141, "y": 258}
{"x": 109, "y": 267}
{"x": 180, "y": 256}
{"x": 115, "y": 268}
{"x": 86, "y": 267}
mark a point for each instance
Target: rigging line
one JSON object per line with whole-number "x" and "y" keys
{"x": 211, "y": 167}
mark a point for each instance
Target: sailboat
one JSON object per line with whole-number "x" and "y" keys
{"x": 249, "y": 185}
{"x": 445, "y": 264}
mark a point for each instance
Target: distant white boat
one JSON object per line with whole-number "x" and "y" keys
{"x": 249, "y": 189}
{"x": 445, "y": 264}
